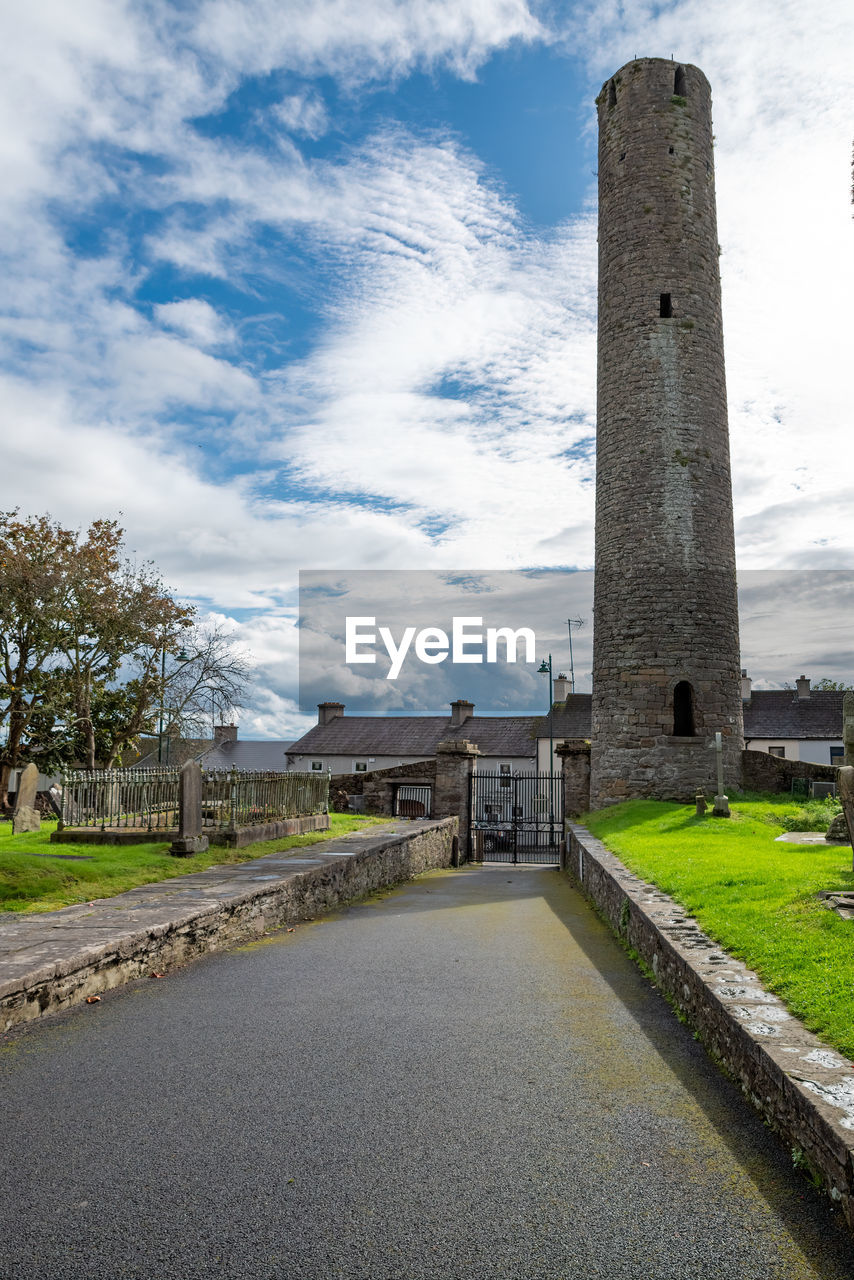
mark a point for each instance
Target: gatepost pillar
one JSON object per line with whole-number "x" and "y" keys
{"x": 575, "y": 760}
{"x": 456, "y": 764}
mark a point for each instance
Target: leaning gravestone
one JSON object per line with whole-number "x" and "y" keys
{"x": 190, "y": 839}
{"x": 846, "y": 795}
{"x": 848, "y": 727}
{"x": 26, "y": 816}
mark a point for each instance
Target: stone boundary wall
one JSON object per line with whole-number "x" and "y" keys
{"x": 237, "y": 918}
{"x": 236, "y": 839}
{"x": 763, "y": 772}
{"x": 378, "y": 787}
{"x": 242, "y": 836}
{"x": 802, "y": 1089}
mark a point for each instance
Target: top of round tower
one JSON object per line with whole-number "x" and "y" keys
{"x": 672, "y": 78}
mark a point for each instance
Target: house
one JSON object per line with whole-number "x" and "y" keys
{"x": 795, "y": 724}
{"x": 366, "y": 744}
{"x": 569, "y": 721}
{"x": 224, "y": 751}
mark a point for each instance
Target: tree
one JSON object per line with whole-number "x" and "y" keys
{"x": 211, "y": 683}
{"x": 88, "y": 645}
{"x": 36, "y": 566}
{"x": 118, "y": 613}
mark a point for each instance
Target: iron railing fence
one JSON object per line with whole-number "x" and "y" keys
{"x": 145, "y": 799}
{"x": 234, "y": 798}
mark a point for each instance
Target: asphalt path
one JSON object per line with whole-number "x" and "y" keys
{"x": 463, "y": 1078}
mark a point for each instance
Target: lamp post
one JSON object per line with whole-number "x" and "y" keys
{"x": 181, "y": 657}
{"x": 545, "y": 669}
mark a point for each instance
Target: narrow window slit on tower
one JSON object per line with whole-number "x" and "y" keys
{"x": 679, "y": 82}
{"x": 670, "y": 149}
{"x": 683, "y": 710}
{"x": 612, "y": 94}
{"x": 665, "y": 306}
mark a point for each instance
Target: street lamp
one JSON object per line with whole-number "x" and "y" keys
{"x": 181, "y": 657}
{"x": 545, "y": 669}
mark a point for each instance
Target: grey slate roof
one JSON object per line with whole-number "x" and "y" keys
{"x": 570, "y": 719}
{"x": 777, "y": 713}
{"x": 416, "y": 736}
{"x": 259, "y": 756}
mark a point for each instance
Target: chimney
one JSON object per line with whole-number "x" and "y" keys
{"x": 803, "y": 688}
{"x": 560, "y": 685}
{"x": 224, "y": 733}
{"x": 328, "y": 711}
{"x": 746, "y": 683}
{"x": 460, "y": 712}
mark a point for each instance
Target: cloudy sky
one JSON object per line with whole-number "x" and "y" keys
{"x": 310, "y": 284}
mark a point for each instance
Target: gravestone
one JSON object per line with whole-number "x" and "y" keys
{"x": 848, "y": 727}
{"x": 189, "y": 839}
{"x": 846, "y": 795}
{"x": 26, "y": 816}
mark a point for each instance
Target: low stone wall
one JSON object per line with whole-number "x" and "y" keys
{"x": 242, "y": 836}
{"x": 803, "y": 1090}
{"x": 764, "y": 772}
{"x": 379, "y": 787}
{"x": 236, "y": 839}
{"x": 152, "y": 929}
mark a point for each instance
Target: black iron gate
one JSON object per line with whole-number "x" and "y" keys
{"x": 516, "y": 817}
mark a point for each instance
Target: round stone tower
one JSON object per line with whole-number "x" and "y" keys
{"x": 666, "y": 672}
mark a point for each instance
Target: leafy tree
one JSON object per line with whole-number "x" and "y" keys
{"x": 36, "y": 565}
{"x": 119, "y": 613}
{"x": 89, "y": 645}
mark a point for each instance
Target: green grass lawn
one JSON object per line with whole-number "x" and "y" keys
{"x": 754, "y": 897}
{"x": 29, "y": 882}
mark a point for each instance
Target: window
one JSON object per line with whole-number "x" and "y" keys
{"x": 679, "y": 86}
{"x": 683, "y": 710}
{"x": 777, "y": 751}
{"x": 317, "y": 765}
{"x": 665, "y": 306}
{"x": 837, "y": 755}
{"x": 360, "y": 766}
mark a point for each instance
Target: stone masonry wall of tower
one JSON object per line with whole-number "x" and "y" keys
{"x": 666, "y": 651}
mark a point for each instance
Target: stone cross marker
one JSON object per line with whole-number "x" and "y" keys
{"x": 26, "y": 816}
{"x": 721, "y": 807}
{"x": 190, "y": 839}
{"x": 848, "y": 727}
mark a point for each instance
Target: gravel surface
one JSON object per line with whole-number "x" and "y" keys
{"x": 463, "y": 1078}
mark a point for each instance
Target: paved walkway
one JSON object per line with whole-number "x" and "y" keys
{"x": 464, "y": 1078}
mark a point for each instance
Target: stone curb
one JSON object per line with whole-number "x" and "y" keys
{"x": 51, "y": 960}
{"x": 803, "y": 1089}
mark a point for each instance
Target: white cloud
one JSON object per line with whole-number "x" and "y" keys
{"x": 196, "y": 319}
{"x": 303, "y": 113}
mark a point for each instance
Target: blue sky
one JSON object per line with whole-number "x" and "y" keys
{"x": 294, "y": 285}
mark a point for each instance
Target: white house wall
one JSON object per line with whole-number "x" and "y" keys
{"x": 811, "y": 750}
